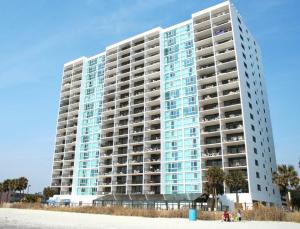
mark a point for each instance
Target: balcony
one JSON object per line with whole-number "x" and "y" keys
{"x": 55, "y": 184}
{"x": 137, "y": 120}
{"x": 232, "y": 102}
{"x": 227, "y": 70}
{"x": 108, "y": 126}
{"x": 212, "y": 163}
{"x": 153, "y": 139}
{"x": 68, "y": 166}
{"x": 235, "y": 163}
{"x": 233, "y": 138}
{"x": 233, "y": 125}
{"x": 210, "y": 118}
{"x": 57, "y": 167}
{"x": 231, "y": 91}
{"x": 212, "y": 153}
{"x": 208, "y": 86}
{"x": 66, "y": 184}
{"x": 222, "y": 30}
{"x": 229, "y": 81}
{"x": 209, "y": 96}
{"x": 210, "y": 106}
{"x": 137, "y": 111}
{"x": 152, "y": 149}
{"x": 212, "y": 140}
{"x": 233, "y": 114}
{"x": 108, "y": 144}
{"x": 234, "y": 151}
{"x": 210, "y": 129}
{"x": 219, "y": 14}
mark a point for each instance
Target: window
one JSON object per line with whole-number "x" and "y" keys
{"x": 240, "y": 29}
{"x": 250, "y": 105}
{"x": 243, "y": 46}
{"x": 251, "y": 116}
{"x": 249, "y": 95}
{"x": 174, "y": 189}
{"x": 239, "y": 20}
{"x": 246, "y": 74}
{"x": 257, "y": 175}
{"x": 252, "y": 127}
{"x": 266, "y": 189}
{"x": 255, "y": 150}
{"x": 244, "y": 55}
{"x": 245, "y": 65}
{"x": 248, "y": 85}
{"x": 241, "y": 37}
{"x": 256, "y": 162}
{"x": 258, "y": 187}
{"x": 253, "y": 139}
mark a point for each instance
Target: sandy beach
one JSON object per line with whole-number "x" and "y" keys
{"x": 38, "y": 219}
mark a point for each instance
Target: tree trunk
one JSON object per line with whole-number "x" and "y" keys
{"x": 216, "y": 200}
{"x": 212, "y": 205}
{"x": 237, "y": 197}
{"x": 7, "y": 195}
{"x": 288, "y": 200}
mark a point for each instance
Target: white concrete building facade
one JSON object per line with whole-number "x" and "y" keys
{"x": 152, "y": 113}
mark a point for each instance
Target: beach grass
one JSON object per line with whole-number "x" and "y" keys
{"x": 259, "y": 213}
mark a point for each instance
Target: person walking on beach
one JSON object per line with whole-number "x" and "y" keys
{"x": 239, "y": 215}
{"x": 226, "y": 216}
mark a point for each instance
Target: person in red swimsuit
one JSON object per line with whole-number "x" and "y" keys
{"x": 226, "y": 216}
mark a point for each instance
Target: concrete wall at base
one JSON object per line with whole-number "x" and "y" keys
{"x": 230, "y": 199}
{"x": 84, "y": 200}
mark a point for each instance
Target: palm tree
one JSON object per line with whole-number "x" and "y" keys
{"x": 1, "y": 191}
{"x": 6, "y": 187}
{"x": 14, "y": 185}
{"x": 214, "y": 186}
{"x": 48, "y": 192}
{"x": 22, "y": 184}
{"x": 286, "y": 177}
{"x": 236, "y": 181}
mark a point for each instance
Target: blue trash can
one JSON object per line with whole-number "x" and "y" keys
{"x": 192, "y": 214}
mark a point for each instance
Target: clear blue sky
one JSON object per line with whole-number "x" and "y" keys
{"x": 37, "y": 37}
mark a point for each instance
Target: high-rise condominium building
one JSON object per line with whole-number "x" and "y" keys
{"x": 152, "y": 113}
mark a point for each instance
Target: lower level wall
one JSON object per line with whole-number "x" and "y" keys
{"x": 72, "y": 199}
